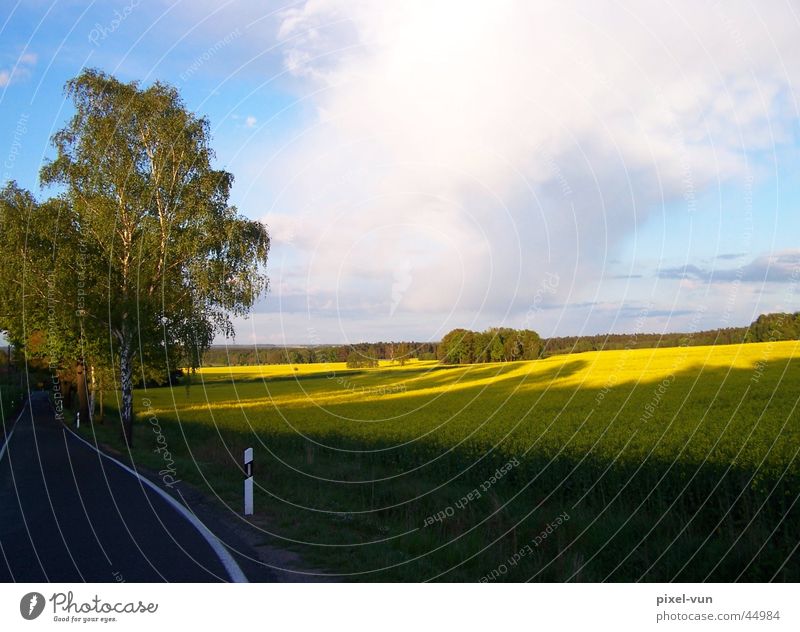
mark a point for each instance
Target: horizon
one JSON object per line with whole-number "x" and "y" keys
{"x": 3, "y": 341}
{"x": 412, "y": 341}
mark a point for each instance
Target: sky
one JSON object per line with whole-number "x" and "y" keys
{"x": 568, "y": 167}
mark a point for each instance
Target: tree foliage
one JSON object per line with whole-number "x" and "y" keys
{"x": 356, "y": 360}
{"x": 150, "y": 258}
{"x": 461, "y": 346}
{"x": 774, "y": 327}
{"x": 39, "y": 304}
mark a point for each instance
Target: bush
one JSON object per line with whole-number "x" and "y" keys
{"x": 357, "y": 361}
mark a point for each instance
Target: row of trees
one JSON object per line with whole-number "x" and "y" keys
{"x": 462, "y": 346}
{"x": 139, "y": 261}
{"x": 399, "y": 352}
{"x": 607, "y": 342}
{"x": 773, "y": 327}
{"x": 767, "y": 327}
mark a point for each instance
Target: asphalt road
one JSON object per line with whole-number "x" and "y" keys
{"x": 67, "y": 514}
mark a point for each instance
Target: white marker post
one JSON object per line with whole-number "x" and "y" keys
{"x": 248, "y": 482}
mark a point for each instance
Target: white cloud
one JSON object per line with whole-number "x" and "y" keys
{"x": 491, "y": 144}
{"x": 250, "y": 121}
{"x": 465, "y": 150}
{"x": 777, "y": 267}
{"x": 20, "y": 70}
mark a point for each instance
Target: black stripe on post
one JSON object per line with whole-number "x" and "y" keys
{"x": 248, "y": 482}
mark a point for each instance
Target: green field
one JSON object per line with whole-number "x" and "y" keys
{"x": 652, "y": 464}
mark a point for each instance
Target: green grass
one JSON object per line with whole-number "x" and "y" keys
{"x": 10, "y": 403}
{"x": 671, "y": 464}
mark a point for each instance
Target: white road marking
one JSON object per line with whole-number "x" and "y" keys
{"x": 9, "y": 435}
{"x": 231, "y": 567}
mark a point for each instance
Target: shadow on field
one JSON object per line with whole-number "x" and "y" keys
{"x": 479, "y": 379}
{"x": 695, "y": 483}
{"x": 395, "y": 372}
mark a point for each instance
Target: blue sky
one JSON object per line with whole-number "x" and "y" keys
{"x": 568, "y": 167}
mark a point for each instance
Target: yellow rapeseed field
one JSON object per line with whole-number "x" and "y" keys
{"x": 655, "y": 454}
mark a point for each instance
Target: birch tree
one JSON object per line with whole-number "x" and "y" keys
{"x": 177, "y": 262}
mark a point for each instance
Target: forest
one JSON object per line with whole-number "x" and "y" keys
{"x": 461, "y": 346}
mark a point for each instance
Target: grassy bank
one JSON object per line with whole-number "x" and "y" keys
{"x": 11, "y": 400}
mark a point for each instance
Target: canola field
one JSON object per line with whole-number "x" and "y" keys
{"x": 651, "y": 464}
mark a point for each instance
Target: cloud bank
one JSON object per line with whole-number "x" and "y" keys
{"x": 460, "y": 152}
{"x": 780, "y": 267}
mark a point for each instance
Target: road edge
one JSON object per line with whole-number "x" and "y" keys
{"x": 231, "y": 566}
{"x": 10, "y": 433}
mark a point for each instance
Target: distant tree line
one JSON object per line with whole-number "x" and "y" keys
{"x": 608, "y": 342}
{"x": 461, "y": 346}
{"x": 361, "y": 354}
{"x": 766, "y": 328}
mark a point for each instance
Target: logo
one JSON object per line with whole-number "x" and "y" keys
{"x": 31, "y": 605}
